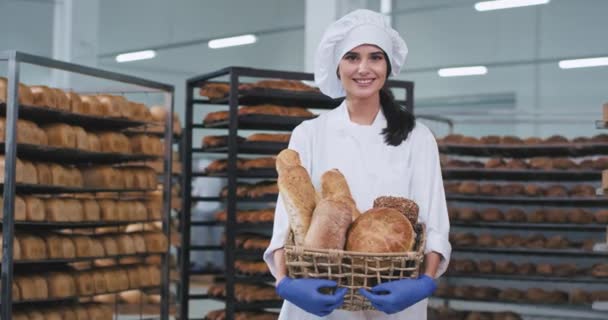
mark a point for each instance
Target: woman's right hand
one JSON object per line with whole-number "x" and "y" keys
{"x": 305, "y": 294}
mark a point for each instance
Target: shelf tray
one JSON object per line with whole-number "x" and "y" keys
{"x": 572, "y": 201}
{"x": 258, "y": 122}
{"x": 518, "y": 175}
{"x": 527, "y": 225}
{"x": 538, "y": 252}
{"x": 249, "y": 147}
{"x": 23, "y": 188}
{"x": 525, "y": 151}
{"x": 51, "y": 115}
{"x": 305, "y": 99}
{"x": 73, "y": 156}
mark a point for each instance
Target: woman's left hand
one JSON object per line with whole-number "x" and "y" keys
{"x": 392, "y": 297}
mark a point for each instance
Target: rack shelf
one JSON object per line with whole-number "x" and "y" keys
{"x": 537, "y": 252}
{"x": 261, "y": 173}
{"x": 259, "y": 122}
{"x": 248, "y": 147}
{"x": 74, "y": 156}
{"x": 73, "y": 225}
{"x": 527, "y": 225}
{"x": 256, "y": 96}
{"x": 526, "y": 151}
{"x": 518, "y": 175}
{"x": 572, "y": 201}
{"x": 51, "y": 115}
{"x": 23, "y": 188}
{"x": 536, "y": 278}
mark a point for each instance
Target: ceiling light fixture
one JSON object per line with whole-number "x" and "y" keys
{"x": 134, "y": 56}
{"x": 584, "y": 63}
{"x": 463, "y": 71}
{"x": 232, "y": 41}
{"x": 507, "y": 4}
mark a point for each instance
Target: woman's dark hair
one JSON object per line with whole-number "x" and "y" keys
{"x": 399, "y": 121}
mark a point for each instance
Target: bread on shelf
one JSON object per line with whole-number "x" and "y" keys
{"x": 114, "y": 142}
{"x": 102, "y": 177}
{"x": 24, "y": 93}
{"x": 61, "y": 285}
{"x": 146, "y": 144}
{"x": 43, "y": 97}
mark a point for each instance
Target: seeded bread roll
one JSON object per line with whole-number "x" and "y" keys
{"x": 407, "y": 207}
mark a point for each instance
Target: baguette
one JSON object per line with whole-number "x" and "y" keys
{"x": 335, "y": 187}
{"x": 298, "y": 194}
{"x": 329, "y": 224}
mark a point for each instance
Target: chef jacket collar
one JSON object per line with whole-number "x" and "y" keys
{"x": 342, "y": 119}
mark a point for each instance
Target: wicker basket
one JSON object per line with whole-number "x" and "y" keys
{"x": 354, "y": 270}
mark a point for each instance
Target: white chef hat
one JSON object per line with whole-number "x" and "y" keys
{"x": 354, "y": 29}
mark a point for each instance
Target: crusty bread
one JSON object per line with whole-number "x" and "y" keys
{"x": 381, "y": 230}
{"x": 287, "y": 158}
{"x": 328, "y": 226}
{"x": 299, "y": 198}
{"x": 335, "y": 187}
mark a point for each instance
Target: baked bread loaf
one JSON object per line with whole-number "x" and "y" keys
{"x": 328, "y": 226}
{"x": 297, "y": 192}
{"x": 381, "y": 230}
{"x": 156, "y": 242}
{"x": 269, "y": 137}
{"x": 216, "y": 116}
{"x": 145, "y": 144}
{"x": 114, "y": 142}
{"x": 24, "y": 93}
{"x": 91, "y": 105}
{"x": 32, "y": 247}
{"x": 111, "y": 106}
{"x": 334, "y": 187}
{"x": 20, "y": 210}
{"x": 492, "y": 214}
{"x": 43, "y": 96}
{"x": 60, "y": 135}
{"x": 468, "y": 214}
{"x": 102, "y": 177}
{"x": 61, "y": 285}
{"x": 61, "y": 101}
{"x": 279, "y": 84}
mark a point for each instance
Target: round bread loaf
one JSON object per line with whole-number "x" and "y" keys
{"x": 468, "y": 214}
{"x": 407, "y": 207}
{"x": 381, "y": 230}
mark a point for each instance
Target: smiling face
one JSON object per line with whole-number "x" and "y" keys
{"x": 363, "y": 71}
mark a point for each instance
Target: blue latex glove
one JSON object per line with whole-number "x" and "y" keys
{"x": 392, "y": 297}
{"x": 305, "y": 294}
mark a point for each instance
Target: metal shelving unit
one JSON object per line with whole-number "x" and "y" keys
{"x": 233, "y": 148}
{"x": 12, "y": 111}
{"x": 571, "y": 255}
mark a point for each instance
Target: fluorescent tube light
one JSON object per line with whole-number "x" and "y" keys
{"x": 507, "y": 4}
{"x": 232, "y": 41}
{"x": 463, "y": 71}
{"x": 134, "y": 56}
{"x": 584, "y": 63}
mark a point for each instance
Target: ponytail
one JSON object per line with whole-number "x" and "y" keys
{"x": 399, "y": 121}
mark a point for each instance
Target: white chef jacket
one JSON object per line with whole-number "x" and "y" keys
{"x": 372, "y": 169}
